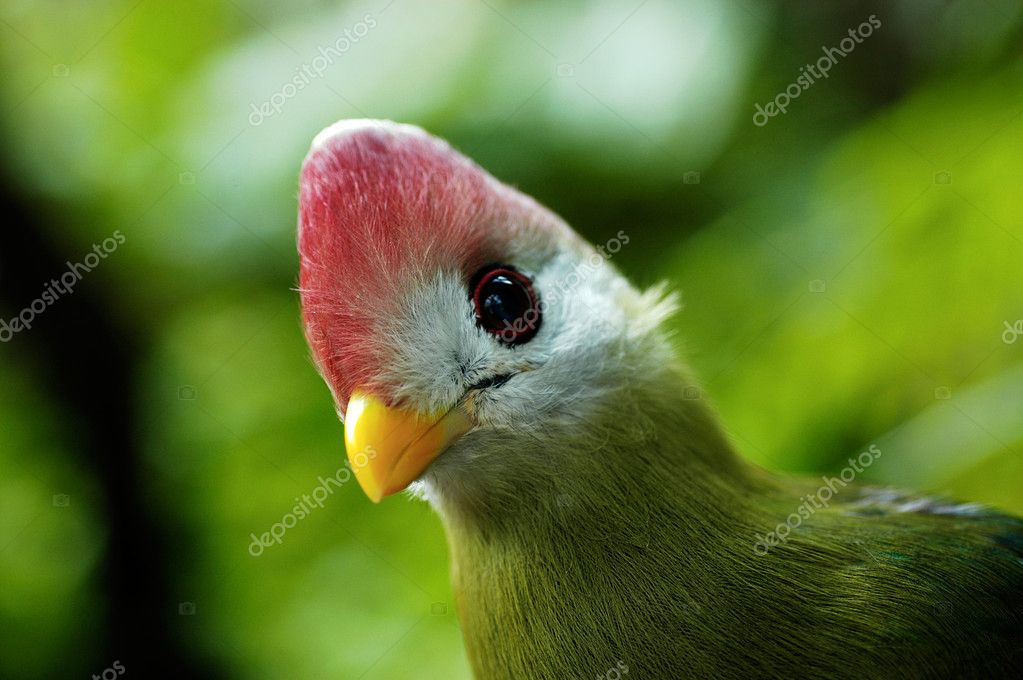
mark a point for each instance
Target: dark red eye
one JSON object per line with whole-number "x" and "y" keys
{"x": 506, "y": 304}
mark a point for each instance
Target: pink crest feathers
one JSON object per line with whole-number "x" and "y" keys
{"x": 382, "y": 206}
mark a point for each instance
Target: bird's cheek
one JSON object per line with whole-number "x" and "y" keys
{"x": 389, "y": 448}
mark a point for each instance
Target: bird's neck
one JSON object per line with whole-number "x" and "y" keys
{"x": 562, "y": 573}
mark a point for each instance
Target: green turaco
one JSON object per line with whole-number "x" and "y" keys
{"x": 486, "y": 358}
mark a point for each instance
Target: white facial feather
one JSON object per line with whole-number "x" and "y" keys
{"x": 597, "y": 333}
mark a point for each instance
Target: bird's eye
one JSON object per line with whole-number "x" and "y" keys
{"x": 506, "y": 304}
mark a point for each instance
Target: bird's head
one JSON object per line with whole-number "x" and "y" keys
{"x": 472, "y": 341}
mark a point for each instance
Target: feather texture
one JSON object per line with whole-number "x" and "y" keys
{"x": 598, "y": 517}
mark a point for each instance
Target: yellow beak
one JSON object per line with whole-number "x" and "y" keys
{"x": 389, "y": 448}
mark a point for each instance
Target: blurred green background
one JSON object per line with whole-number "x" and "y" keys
{"x": 851, "y": 272}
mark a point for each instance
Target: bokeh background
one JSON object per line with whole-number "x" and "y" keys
{"x": 851, "y": 272}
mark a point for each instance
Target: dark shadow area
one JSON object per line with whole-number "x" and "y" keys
{"x": 85, "y": 363}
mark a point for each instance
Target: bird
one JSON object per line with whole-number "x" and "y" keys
{"x": 487, "y": 359}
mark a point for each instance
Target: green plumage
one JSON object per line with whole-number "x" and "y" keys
{"x": 641, "y": 553}
{"x": 600, "y": 523}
